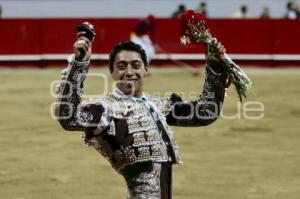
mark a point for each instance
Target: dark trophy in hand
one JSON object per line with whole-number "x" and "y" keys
{"x": 89, "y": 33}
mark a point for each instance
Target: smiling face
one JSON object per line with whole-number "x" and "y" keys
{"x": 129, "y": 71}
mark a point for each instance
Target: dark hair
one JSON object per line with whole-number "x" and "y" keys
{"x": 289, "y": 5}
{"x": 244, "y": 9}
{"x": 127, "y": 46}
{"x": 182, "y": 7}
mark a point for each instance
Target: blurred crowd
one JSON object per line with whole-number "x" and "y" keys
{"x": 292, "y": 11}
{"x": 0, "y": 11}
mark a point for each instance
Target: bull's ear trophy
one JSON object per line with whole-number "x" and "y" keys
{"x": 194, "y": 31}
{"x": 89, "y": 33}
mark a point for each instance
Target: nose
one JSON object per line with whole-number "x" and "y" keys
{"x": 129, "y": 71}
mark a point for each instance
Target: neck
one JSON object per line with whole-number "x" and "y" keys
{"x": 137, "y": 93}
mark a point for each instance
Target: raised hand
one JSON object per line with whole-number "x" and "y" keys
{"x": 85, "y": 38}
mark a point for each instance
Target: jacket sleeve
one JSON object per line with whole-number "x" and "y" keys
{"x": 71, "y": 111}
{"x": 206, "y": 108}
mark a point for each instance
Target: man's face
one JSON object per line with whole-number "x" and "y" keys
{"x": 129, "y": 72}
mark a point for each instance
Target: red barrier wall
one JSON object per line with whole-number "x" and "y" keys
{"x": 56, "y": 36}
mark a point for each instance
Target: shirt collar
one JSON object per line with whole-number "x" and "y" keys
{"x": 120, "y": 93}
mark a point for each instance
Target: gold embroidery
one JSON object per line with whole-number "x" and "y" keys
{"x": 153, "y": 136}
{"x": 156, "y": 151}
{"x": 138, "y": 139}
{"x": 143, "y": 153}
{"x": 147, "y": 144}
{"x": 129, "y": 155}
{"x": 135, "y": 125}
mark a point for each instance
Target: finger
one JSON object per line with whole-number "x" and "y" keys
{"x": 84, "y": 41}
{"x": 214, "y": 40}
{"x": 79, "y": 34}
{"x": 87, "y": 41}
{"x": 222, "y": 49}
{"x": 81, "y": 44}
{"x": 219, "y": 45}
{"x": 83, "y": 47}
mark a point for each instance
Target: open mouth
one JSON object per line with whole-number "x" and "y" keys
{"x": 130, "y": 81}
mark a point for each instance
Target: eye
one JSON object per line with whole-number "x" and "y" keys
{"x": 121, "y": 66}
{"x": 136, "y": 65}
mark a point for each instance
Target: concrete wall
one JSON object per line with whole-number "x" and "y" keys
{"x": 131, "y": 8}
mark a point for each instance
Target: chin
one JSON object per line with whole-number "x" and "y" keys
{"x": 129, "y": 89}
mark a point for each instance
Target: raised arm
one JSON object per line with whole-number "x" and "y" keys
{"x": 70, "y": 95}
{"x": 70, "y": 111}
{"x": 208, "y": 105}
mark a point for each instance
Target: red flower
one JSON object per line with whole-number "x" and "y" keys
{"x": 199, "y": 16}
{"x": 185, "y": 18}
{"x": 187, "y": 15}
{"x": 190, "y": 18}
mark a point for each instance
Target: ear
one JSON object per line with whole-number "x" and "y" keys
{"x": 146, "y": 71}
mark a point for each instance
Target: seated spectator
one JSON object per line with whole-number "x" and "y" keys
{"x": 242, "y": 13}
{"x": 0, "y": 11}
{"x": 203, "y": 9}
{"x": 265, "y": 14}
{"x": 181, "y": 9}
{"x": 291, "y": 12}
{"x": 297, "y": 9}
{"x": 141, "y": 35}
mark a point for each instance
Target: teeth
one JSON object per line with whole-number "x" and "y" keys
{"x": 131, "y": 81}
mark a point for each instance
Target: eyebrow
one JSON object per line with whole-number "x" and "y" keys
{"x": 121, "y": 62}
{"x": 125, "y": 62}
{"x": 134, "y": 61}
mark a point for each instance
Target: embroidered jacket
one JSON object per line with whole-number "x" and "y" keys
{"x": 126, "y": 131}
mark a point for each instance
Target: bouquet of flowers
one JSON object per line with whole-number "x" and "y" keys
{"x": 194, "y": 31}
